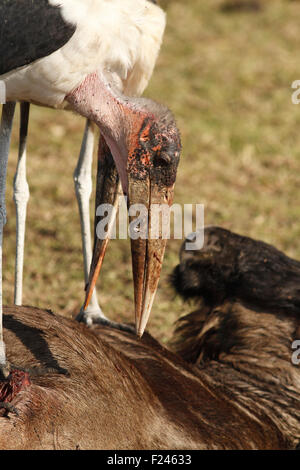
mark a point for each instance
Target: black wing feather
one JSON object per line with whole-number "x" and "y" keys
{"x": 30, "y": 30}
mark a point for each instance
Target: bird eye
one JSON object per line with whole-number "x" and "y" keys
{"x": 162, "y": 159}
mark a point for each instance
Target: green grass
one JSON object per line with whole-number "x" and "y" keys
{"x": 227, "y": 77}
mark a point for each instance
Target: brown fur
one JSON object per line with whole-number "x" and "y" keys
{"x": 249, "y": 352}
{"x": 124, "y": 393}
{"x": 248, "y": 317}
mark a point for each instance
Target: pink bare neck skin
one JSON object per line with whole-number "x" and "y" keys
{"x": 96, "y": 100}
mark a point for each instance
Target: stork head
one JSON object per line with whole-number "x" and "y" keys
{"x": 141, "y": 149}
{"x": 146, "y": 154}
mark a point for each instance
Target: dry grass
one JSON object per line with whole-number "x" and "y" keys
{"x": 226, "y": 73}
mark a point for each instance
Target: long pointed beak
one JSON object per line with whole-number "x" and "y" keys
{"x": 147, "y": 243}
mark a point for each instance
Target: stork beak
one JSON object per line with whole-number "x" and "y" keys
{"x": 148, "y": 247}
{"x": 147, "y": 243}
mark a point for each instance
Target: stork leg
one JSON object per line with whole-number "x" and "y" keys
{"x": 21, "y": 196}
{"x": 5, "y": 134}
{"x": 108, "y": 191}
{"x": 83, "y": 189}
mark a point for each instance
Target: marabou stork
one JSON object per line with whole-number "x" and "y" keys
{"x": 88, "y": 56}
{"x": 82, "y": 173}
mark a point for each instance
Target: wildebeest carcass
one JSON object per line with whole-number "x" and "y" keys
{"x": 230, "y": 385}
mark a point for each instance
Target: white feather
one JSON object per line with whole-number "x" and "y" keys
{"x": 121, "y": 37}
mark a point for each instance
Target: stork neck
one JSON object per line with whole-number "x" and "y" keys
{"x": 97, "y": 101}
{"x": 116, "y": 116}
